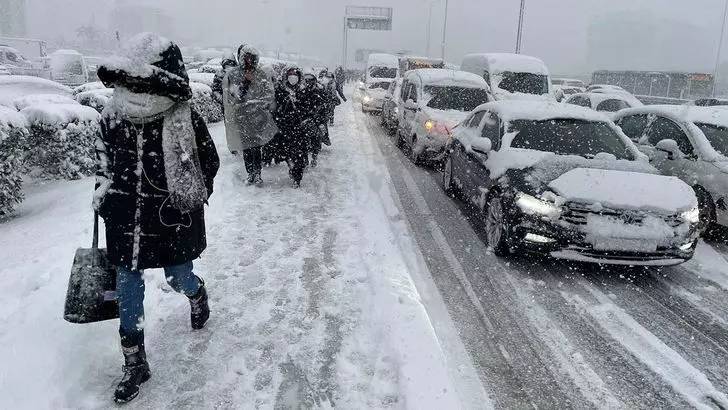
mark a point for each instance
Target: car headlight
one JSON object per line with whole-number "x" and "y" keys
{"x": 429, "y": 125}
{"x": 531, "y": 205}
{"x": 692, "y": 216}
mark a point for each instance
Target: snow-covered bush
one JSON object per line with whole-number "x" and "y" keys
{"x": 61, "y": 140}
{"x": 96, "y": 98}
{"x": 204, "y": 103}
{"x": 13, "y": 144}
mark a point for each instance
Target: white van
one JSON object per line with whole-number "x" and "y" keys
{"x": 382, "y": 67}
{"x": 511, "y": 76}
{"x": 68, "y": 67}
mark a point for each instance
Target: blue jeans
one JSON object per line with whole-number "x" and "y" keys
{"x": 130, "y": 294}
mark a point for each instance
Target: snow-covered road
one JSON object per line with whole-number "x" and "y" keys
{"x": 550, "y": 334}
{"x": 367, "y": 288}
{"x": 319, "y": 298}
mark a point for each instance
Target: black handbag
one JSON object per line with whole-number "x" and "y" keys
{"x": 91, "y": 295}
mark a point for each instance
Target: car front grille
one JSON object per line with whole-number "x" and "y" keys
{"x": 577, "y": 214}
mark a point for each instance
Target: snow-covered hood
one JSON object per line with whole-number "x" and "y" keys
{"x": 449, "y": 118}
{"x": 722, "y": 166}
{"x": 625, "y": 190}
{"x": 502, "y": 95}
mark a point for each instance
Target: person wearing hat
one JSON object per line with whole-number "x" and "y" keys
{"x": 227, "y": 64}
{"x": 249, "y": 101}
{"x": 156, "y": 165}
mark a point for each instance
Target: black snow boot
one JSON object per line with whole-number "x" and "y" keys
{"x": 199, "y": 309}
{"x": 136, "y": 370}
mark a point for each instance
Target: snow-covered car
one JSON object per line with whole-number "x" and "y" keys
{"x": 690, "y": 143}
{"x": 608, "y": 102}
{"x": 381, "y": 66}
{"x": 373, "y": 96}
{"x": 561, "y": 92}
{"x": 390, "y": 106}
{"x": 15, "y": 86}
{"x": 68, "y": 67}
{"x": 511, "y": 76}
{"x": 564, "y": 181}
{"x": 23, "y": 102}
{"x": 605, "y": 87}
{"x": 4, "y": 70}
{"x": 14, "y": 61}
{"x": 432, "y": 102}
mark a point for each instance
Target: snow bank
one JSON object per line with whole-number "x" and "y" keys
{"x": 42, "y": 99}
{"x": 13, "y": 145}
{"x": 204, "y": 103}
{"x": 62, "y": 139}
{"x": 625, "y": 190}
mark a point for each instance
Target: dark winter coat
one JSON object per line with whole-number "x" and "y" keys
{"x": 314, "y": 105}
{"x": 142, "y": 229}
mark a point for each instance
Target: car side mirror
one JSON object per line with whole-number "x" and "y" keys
{"x": 481, "y": 145}
{"x": 671, "y": 148}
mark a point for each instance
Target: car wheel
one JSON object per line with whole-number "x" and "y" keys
{"x": 448, "y": 183}
{"x": 497, "y": 227}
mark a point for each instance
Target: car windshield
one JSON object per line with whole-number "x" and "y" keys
{"x": 382, "y": 72}
{"x": 569, "y": 137}
{"x": 527, "y": 83}
{"x": 455, "y": 98}
{"x": 717, "y": 136}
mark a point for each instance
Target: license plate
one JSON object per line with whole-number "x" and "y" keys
{"x": 618, "y": 244}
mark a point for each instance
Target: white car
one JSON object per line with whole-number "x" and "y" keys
{"x": 373, "y": 95}
{"x": 68, "y": 67}
{"x": 4, "y": 70}
{"x": 564, "y": 181}
{"x": 16, "y": 86}
{"x": 690, "y": 143}
{"x": 511, "y": 76}
{"x": 433, "y": 102}
{"x": 608, "y": 102}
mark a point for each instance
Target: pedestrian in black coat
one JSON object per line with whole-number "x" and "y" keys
{"x": 227, "y": 63}
{"x": 289, "y": 117}
{"x": 156, "y": 165}
{"x": 314, "y": 109}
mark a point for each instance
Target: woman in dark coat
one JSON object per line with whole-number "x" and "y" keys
{"x": 156, "y": 164}
{"x": 289, "y": 117}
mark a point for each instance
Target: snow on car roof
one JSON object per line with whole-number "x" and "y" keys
{"x": 597, "y": 98}
{"x": 59, "y": 113}
{"x": 510, "y": 110}
{"x": 507, "y": 62}
{"x": 388, "y": 60}
{"x": 685, "y": 113}
{"x": 14, "y": 86}
{"x": 444, "y": 77}
{"x": 66, "y": 52}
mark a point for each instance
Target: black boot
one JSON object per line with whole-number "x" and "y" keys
{"x": 136, "y": 369}
{"x": 199, "y": 309}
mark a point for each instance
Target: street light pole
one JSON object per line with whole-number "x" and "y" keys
{"x": 720, "y": 46}
{"x": 519, "y": 37}
{"x": 346, "y": 41}
{"x": 444, "y": 30}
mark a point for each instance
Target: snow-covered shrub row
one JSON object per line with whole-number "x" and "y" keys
{"x": 13, "y": 144}
{"x": 61, "y": 140}
{"x": 204, "y": 103}
{"x": 36, "y": 99}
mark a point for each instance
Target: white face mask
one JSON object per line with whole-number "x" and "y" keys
{"x": 292, "y": 79}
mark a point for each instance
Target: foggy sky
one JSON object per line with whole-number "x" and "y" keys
{"x": 555, "y": 30}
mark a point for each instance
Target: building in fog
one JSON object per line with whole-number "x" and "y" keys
{"x": 132, "y": 17}
{"x": 12, "y": 18}
{"x": 642, "y": 41}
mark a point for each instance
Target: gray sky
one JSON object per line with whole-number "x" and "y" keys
{"x": 664, "y": 34}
